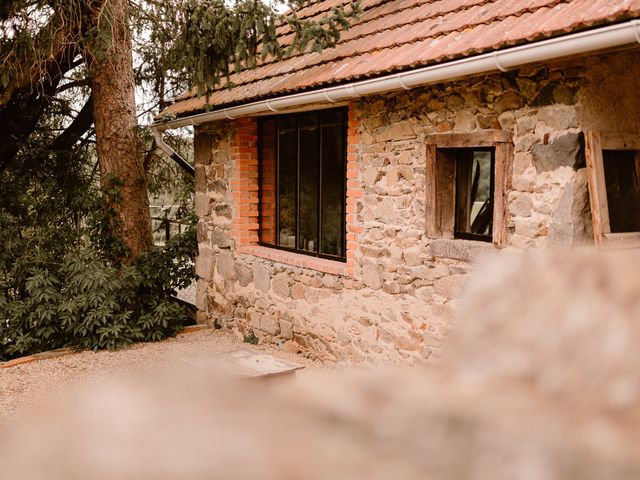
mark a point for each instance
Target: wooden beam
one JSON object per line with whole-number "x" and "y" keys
{"x": 483, "y": 138}
{"x": 502, "y": 187}
{"x": 446, "y": 191}
{"x": 622, "y": 240}
{"x": 619, "y": 141}
{"x": 441, "y": 180}
{"x": 432, "y": 226}
{"x": 597, "y": 187}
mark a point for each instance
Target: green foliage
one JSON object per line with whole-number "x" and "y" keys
{"x": 199, "y": 43}
{"x": 178, "y": 44}
{"x": 60, "y": 284}
{"x": 86, "y": 301}
{"x": 167, "y": 182}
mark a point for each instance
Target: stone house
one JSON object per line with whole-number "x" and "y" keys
{"x": 343, "y": 196}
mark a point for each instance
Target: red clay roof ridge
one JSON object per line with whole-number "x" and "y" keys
{"x": 443, "y": 33}
{"x": 193, "y": 93}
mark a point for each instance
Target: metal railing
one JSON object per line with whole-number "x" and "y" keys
{"x": 164, "y": 227}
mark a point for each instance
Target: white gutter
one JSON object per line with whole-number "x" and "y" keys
{"x": 502, "y": 60}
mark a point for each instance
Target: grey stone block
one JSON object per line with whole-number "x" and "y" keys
{"x": 563, "y": 151}
{"x": 466, "y": 250}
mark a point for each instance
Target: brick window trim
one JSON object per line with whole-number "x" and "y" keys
{"x": 440, "y": 216}
{"x": 295, "y": 259}
{"x": 244, "y": 182}
{"x": 595, "y": 143}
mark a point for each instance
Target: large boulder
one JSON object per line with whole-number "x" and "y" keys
{"x": 541, "y": 382}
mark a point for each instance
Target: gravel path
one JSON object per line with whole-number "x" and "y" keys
{"x": 22, "y": 385}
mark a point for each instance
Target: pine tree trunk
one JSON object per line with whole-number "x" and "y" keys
{"x": 114, "y": 111}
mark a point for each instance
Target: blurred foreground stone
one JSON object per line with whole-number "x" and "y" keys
{"x": 541, "y": 382}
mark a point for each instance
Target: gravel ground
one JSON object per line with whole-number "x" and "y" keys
{"x": 23, "y": 385}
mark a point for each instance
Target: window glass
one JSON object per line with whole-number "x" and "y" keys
{"x": 309, "y": 182}
{"x": 302, "y": 182}
{"x": 287, "y": 179}
{"x": 623, "y": 192}
{"x": 333, "y": 178}
{"x": 474, "y": 193}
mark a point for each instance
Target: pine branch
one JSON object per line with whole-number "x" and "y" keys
{"x": 21, "y": 114}
{"x": 73, "y": 84}
{"x": 74, "y": 132}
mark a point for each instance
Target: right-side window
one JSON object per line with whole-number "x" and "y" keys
{"x": 613, "y": 163}
{"x": 468, "y": 177}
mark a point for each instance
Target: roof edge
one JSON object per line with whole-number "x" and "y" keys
{"x": 500, "y": 60}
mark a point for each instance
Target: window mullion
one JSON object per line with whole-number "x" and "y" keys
{"x": 320, "y": 209}
{"x": 277, "y": 174}
{"x": 297, "y": 210}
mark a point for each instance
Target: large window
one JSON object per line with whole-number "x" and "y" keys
{"x": 613, "y": 163}
{"x": 302, "y": 182}
{"x": 468, "y": 180}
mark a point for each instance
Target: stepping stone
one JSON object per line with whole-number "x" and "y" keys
{"x": 246, "y": 364}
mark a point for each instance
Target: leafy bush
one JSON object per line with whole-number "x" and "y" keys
{"x": 61, "y": 284}
{"x": 86, "y": 301}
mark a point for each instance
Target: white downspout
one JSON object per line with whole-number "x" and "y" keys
{"x": 186, "y": 166}
{"x": 503, "y": 60}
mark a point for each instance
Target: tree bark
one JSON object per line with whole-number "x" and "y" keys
{"x": 114, "y": 113}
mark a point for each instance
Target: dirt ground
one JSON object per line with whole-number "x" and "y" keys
{"x": 23, "y": 385}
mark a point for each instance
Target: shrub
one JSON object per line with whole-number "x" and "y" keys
{"x": 60, "y": 281}
{"x": 87, "y": 301}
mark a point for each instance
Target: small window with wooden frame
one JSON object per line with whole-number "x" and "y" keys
{"x": 613, "y": 167}
{"x": 468, "y": 177}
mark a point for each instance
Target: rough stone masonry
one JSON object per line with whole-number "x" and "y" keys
{"x": 536, "y": 386}
{"x": 395, "y": 297}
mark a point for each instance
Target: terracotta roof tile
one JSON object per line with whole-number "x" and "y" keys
{"x": 396, "y": 35}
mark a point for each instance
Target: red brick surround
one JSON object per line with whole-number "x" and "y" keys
{"x": 354, "y": 186}
{"x": 244, "y": 181}
{"x": 245, "y": 190}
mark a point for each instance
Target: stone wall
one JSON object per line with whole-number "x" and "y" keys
{"x": 540, "y": 382}
{"x": 395, "y": 297}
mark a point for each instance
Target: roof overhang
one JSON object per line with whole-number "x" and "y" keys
{"x": 582, "y": 43}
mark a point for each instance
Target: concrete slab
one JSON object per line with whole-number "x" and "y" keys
{"x": 245, "y": 364}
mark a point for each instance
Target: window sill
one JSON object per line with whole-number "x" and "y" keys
{"x": 459, "y": 249}
{"x": 620, "y": 240}
{"x": 295, "y": 259}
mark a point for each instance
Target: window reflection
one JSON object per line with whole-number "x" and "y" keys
{"x": 304, "y": 201}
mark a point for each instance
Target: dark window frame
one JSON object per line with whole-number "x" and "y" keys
{"x": 343, "y": 111}
{"x": 440, "y": 183}
{"x": 456, "y": 152}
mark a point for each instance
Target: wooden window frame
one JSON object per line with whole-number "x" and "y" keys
{"x": 441, "y": 180}
{"x": 595, "y": 143}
